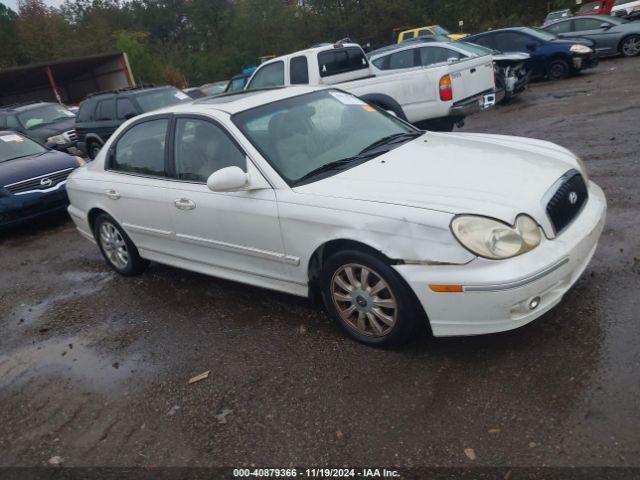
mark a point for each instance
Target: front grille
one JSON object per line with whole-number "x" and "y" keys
{"x": 71, "y": 135}
{"x": 39, "y": 183}
{"x": 567, "y": 201}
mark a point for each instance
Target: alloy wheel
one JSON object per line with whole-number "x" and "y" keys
{"x": 113, "y": 245}
{"x": 631, "y": 46}
{"x": 364, "y": 300}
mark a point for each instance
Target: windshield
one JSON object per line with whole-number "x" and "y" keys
{"x": 540, "y": 34}
{"x": 302, "y": 134}
{"x": 155, "y": 99}
{"x": 15, "y": 146}
{"x": 438, "y": 30}
{"x": 46, "y": 115}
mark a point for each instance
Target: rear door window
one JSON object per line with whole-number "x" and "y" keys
{"x": 271, "y": 75}
{"x": 560, "y": 27}
{"x": 583, "y": 24}
{"x": 341, "y": 60}
{"x": 299, "y": 71}
{"x": 434, "y": 55}
{"x": 125, "y": 108}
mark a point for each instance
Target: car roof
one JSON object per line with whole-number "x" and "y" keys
{"x": 131, "y": 91}
{"x": 235, "y": 102}
{"x": 23, "y": 107}
{"x": 408, "y": 46}
{"x": 323, "y": 47}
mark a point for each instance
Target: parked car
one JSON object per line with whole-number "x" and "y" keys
{"x": 392, "y": 227}
{"x": 601, "y": 7}
{"x": 511, "y": 74}
{"x": 215, "y": 88}
{"x": 629, "y": 9}
{"x": 103, "y": 112}
{"x": 555, "y": 15}
{"x": 551, "y": 57}
{"x": 32, "y": 178}
{"x": 194, "y": 92}
{"x": 431, "y": 98}
{"x": 431, "y": 30}
{"x": 238, "y": 82}
{"x": 611, "y": 35}
{"x": 45, "y": 122}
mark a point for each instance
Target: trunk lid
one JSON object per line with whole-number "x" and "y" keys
{"x": 471, "y": 77}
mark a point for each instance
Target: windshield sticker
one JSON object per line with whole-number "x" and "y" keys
{"x": 346, "y": 99}
{"x": 181, "y": 95}
{"x": 11, "y": 138}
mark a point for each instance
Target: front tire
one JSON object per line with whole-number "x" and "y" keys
{"x": 369, "y": 299}
{"x": 630, "y": 46}
{"x": 117, "y": 248}
{"x": 558, "y": 69}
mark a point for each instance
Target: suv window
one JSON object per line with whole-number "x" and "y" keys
{"x": 560, "y": 27}
{"x": 160, "y": 98}
{"x": 141, "y": 149}
{"x": 106, "y": 110}
{"x": 582, "y": 24}
{"x": 299, "y": 71}
{"x": 341, "y": 60}
{"x": 87, "y": 108}
{"x": 125, "y": 107}
{"x": 201, "y": 148}
{"x": 432, "y": 55}
{"x": 271, "y": 75}
{"x": 403, "y": 59}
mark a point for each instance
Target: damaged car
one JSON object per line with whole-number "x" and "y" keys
{"x": 314, "y": 192}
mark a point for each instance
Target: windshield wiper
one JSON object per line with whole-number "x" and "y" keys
{"x": 336, "y": 165}
{"x": 397, "y": 137}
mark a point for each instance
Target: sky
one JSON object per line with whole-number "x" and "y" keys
{"x": 13, "y": 4}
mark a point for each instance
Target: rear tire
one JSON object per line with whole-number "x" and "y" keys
{"x": 558, "y": 69}
{"x": 117, "y": 248}
{"x": 369, "y": 299}
{"x": 630, "y": 46}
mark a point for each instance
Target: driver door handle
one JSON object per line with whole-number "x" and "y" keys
{"x": 184, "y": 204}
{"x": 112, "y": 194}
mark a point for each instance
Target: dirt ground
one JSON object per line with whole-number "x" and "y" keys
{"x": 94, "y": 367}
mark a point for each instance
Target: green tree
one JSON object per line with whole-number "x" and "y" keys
{"x": 146, "y": 69}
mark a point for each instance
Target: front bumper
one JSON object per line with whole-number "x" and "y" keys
{"x": 582, "y": 62}
{"x": 20, "y": 208}
{"x": 496, "y": 294}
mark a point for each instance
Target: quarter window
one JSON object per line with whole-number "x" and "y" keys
{"x": 582, "y": 24}
{"x": 86, "y": 111}
{"x": 12, "y": 122}
{"x": 299, "y": 71}
{"x": 271, "y": 75}
{"x": 341, "y": 60}
{"x": 561, "y": 27}
{"x": 142, "y": 149}
{"x": 201, "y": 148}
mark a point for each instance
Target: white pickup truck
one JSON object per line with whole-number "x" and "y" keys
{"x": 435, "y": 98}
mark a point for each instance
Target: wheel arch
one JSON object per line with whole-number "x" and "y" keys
{"x": 385, "y": 102}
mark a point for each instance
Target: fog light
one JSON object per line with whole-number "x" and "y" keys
{"x": 533, "y": 304}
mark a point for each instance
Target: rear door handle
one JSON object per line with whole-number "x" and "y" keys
{"x": 184, "y": 204}
{"x": 112, "y": 194}
{"x": 473, "y": 70}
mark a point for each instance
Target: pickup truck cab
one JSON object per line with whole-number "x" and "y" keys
{"x": 430, "y": 98}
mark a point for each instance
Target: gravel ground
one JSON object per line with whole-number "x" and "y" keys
{"x": 94, "y": 367}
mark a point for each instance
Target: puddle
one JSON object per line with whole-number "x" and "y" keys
{"x": 70, "y": 358}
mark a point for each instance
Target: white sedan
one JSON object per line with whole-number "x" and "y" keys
{"x": 313, "y": 192}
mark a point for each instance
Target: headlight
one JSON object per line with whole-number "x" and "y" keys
{"x": 580, "y": 49}
{"x": 59, "y": 139}
{"x": 80, "y": 161}
{"x": 495, "y": 240}
{"x": 583, "y": 170}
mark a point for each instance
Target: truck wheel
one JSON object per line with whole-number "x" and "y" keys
{"x": 117, "y": 248}
{"x": 558, "y": 69}
{"x": 93, "y": 149}
{"x": 630, "y": 46}
{"x": 369, "y": 299}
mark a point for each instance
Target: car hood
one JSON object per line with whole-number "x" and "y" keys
{"x": 13, "y": 171}
{"x": 42, "y": 133}
{"x": 492, "y": 175}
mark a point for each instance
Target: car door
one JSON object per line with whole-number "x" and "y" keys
{"x": 235, "y": 233}
{"x": 606, "y": 37}
{"x": 135, "y": 185}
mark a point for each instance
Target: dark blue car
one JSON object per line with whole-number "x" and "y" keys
{"x": 551, "y": 57}
{"x": 32, "y": 178}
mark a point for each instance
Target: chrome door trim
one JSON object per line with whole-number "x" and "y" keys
{"x": 147, "y": 230}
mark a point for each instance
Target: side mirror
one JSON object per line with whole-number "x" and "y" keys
{"x": 391, "y": 112}
{"x": 451, "y": 60}
{"x": 531, "y": 46}
{"x": 227, "y": 179}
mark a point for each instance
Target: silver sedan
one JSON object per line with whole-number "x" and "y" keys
{"x": 612, "y": 35}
